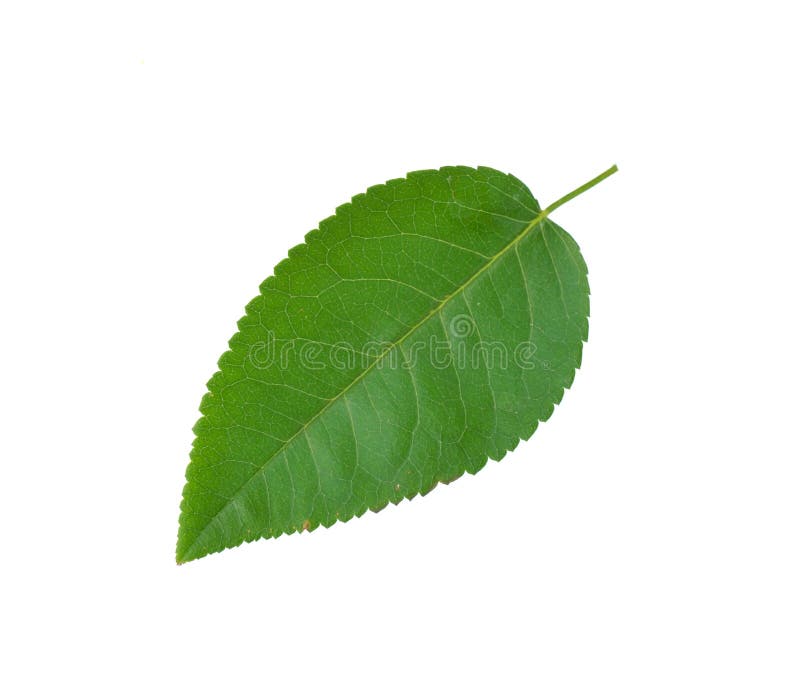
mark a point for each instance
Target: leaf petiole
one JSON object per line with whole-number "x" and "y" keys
{"x": 586, "y": 186}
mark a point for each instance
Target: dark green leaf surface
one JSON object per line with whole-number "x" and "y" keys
{"x": 428, "y": 325}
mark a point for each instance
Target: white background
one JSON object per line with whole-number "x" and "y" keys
{"x": 157, "y": 159}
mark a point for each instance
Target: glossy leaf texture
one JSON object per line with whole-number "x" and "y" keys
{"x": 430, "y": 324}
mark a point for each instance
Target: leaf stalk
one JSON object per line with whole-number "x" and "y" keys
{"x": 586, "y": 186}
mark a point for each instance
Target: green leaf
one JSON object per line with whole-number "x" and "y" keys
{"x": 428, "y": 325}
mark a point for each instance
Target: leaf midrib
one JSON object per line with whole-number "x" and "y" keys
{"x": 535, "y": 222}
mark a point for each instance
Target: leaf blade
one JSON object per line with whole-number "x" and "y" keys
{"x": 281, "y": 450}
